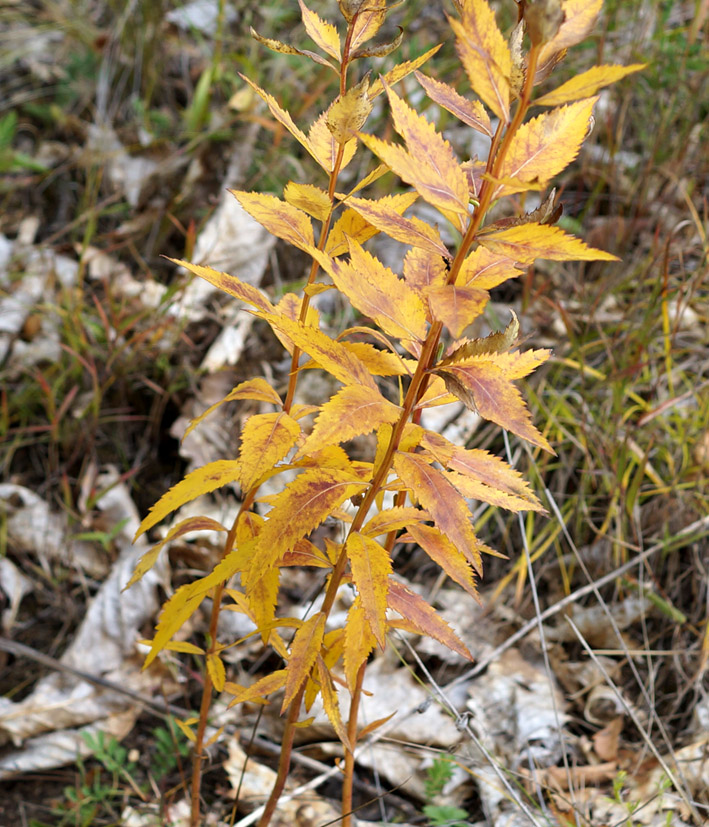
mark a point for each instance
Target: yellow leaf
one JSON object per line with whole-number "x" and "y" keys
{"x": 184, "y": 647}
{"x": 521, "y": 363}
{"x": 370, "y": 16}
{"x": 399, "y": 72}
{"x": 529, "y": 241}
{"x": 147, "y": 561}
{"x": 456, "y": 306}
{"x": 424, "y": 271}
{"x": 445, "y": 505}
{"x": 205, "y": 479}
{"x": 352, "y": 411}
{"x": 354, "y": 225}
{"x": 186, "y": 730}
{"x": 308, "y": 198}
{"x": 485, "y": 56}
{"x": 544, "y": 146}
{"x": 330, "y": 703}
{"x": 412, "y": 230}
{"x": 330, "y": 355}
{"x": 229, "y": 284}
{"x": 257, "y": 388}
{"x": 484, "y": 269}
{"x": 176, "y": 612}
{"x": 371, "y": 567}
{"x": 322, "y": 33}
{"x": 359, "y": 642}
{"x": 493, "y": 343}
{"x": 324, "y": 148}
{"x": 265, "y": 439}
{"x": 379, "y": 293}
{"x": 442, "y": 551}
{"x": 258, "y": 690}
{"x": 471, "y": 113}
{"x": 287, "y": 49}
{"x": 279, "y": 217}
{"x": 304, "y": 651}
{"x": 379, "y": 362}
{"x": 580, "y": 18}
{"x": 392, "y": 519}
{"x": 262, "y": 594}
{"x": 349, "y": 112}
{"x": 428, "y": 163}
{"x": 587, "y": 83}
{"x": 216, "y": 671}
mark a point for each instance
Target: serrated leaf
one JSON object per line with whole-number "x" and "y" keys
{"x": 349, "y": 112}
{"x": 412, "y": 230}
{"x": 321, "y": 32}
{"x": 485, "y": 56}
{"x": 587, "y": 83}
{"x": 544, "y": 146}
{"x": 330, "y": 355}
{"x": 424, "y": 270}
{"x": 265, "y": 439}
{"x": 287, "y": 49}
{"x": 379, "y": 293}
{"x": 483, "y": 387}
{"x": 442, "y": 551}
{"x": 351, "y": 223}
{"x": 304, "y": 553}
{"x": 201, "y": 481}
{"x": 456, "y": 306}
{"x": 521, "y": 363}
{"x": 530, "y": 241}
{"x": 352, "y": 411}
{"x": 379, "y": 362}
{"x": 309, "y": 199}
{"x": 257, "y": 691}
{"x": 330, "y": 703}
{"x": 279, "y": 217}
{"x": 371, "y": 567}
{"x": 393, "y": 519}
{"x": 256, "y": 388}
{"x": 176, "y": 612}
{"x": 469, "y": 112}
{"x": 324, "y": 148}
{"x": 428, "y": 163}
{"x": 229, "y": 284}
{"x": 424, "y": 618}
{"x": 370, "y": 16}
{"x": 446, "y": 506}
{"x": 580, "y": 18}
{"x": 358, "y": 644}
{"x": 304, "y": 651}
{"x": 216, "y": 671}
{"x": 493, "y": 343}
{"x": 147, "y": 561}
{"x": 484, "y": 269}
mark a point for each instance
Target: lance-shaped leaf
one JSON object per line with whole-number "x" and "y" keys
{"x": 330, "y": 355}
{"x": 424, "y": 619}
{"x": 482, "y": 386}
{"x": 493, "y": 343}
{"x": 379, "y": 293}
{"x": 256, "y": 388}
{"x": 331, "y": 704}
{"x": 265, "y": 439}
{"x": 321, "y": 32}
{"x": 262, "y": 595}
{"x": 428, "y": 163}
{"x": 380, "y": 362}
{"x": 304, "y": 651}
{"x": 484, "y": 269}
{"x": 518, "y": 364}
{"x": 530, "y": 241}
{"x": 370, "y": 16}
{"x": 287, "y": 49}
{"x": 544, "y": 146}
{"x": 324, "y": 146}
{"x": 216, "y": 671}
{"x": 351, "y": 223}
{"x": 349, "y": 112}
{"x": 279, "y": 217}
{"x": 399, "y": 72}
{"x": 371, "y": 567}
{"x": 580, "y": 18}
{"x": 485, "y": 56}
{"x": 392, "y": 519}
{"x": 587, "y": 83}
{"x": 147, "y": 561}
{"x": 358, "y": 644}
{"x": 309, "y": 199}
{"x": 469, "y": 112}
{"x": 424, "y": 270}
{"x": 442, "y": 551}
{"x": 257, "y": 692}
{"x": 412, "y": 230}
{"x": 446, "y": 506}
{"x": 456, "y": 306}
{"x": 352, "y": 411}
{"x": 177, "y": 611}
{"x": 380, "y": 49}
{"x": 201, "y": 481}
{"x": 229, "y": 284}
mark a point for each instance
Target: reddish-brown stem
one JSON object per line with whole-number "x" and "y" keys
{"x": 348, "y": 781}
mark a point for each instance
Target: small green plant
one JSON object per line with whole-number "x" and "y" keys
{"x": 441, "y": 815}
{"x": 412, "y": 354}
{"x": 170, "y": 745}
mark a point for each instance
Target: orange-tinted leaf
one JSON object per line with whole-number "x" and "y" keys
{"x": 471, "y": 113}
{"x": 265, "y": 439}
{"x": 370, "y": 728}
{"x": 484, "y": 269}
{"x": 442, "y": 551}
{"x": 587, "y": 83}
{"x": 147, "y": 561}
{"x": 377, "y": 292}
{"x": 544, "y": 146}
{"x": 456, "y": 306}
{"x": 482, "y": 387}
{"x": 424, "y": 270}
{"x": 256, "y": 388}
{"x": 304, "y": 553}
{"x": 399, "y": 72}
{"x": 349, "y": 112}
{"x": 485, "y": 56}
{"x": 304, "y": 651}
{"x": 530, "y": 241}
{"x": 580, "y": 18}
{"x": 279, "y": 217}
{"x": 258, "y": 691}
{"x": 229, "y": 284}
{"x": 351, "y": 223}
{"x": 378, "y": 362}
{"x": 412, "y": 230}
{"x": 371, "y": 567}
{"x": 324, "y": 147}
{"x": 424, "y": 618}
{"x": 322, "y": 33}
{"x": 352, "y": 411}
{"x": 359, "y": 642}
{"x": 493, "y": 343}
{"x": 445, "y": 505}
{"x": 216, "y": 671}
{"x": 392, "y": 519}
{"x": 330, "y": 355}
{"x": 309, "y": 199}
{"x": 201, "y": 481}
{"x": 330, "y": 703}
